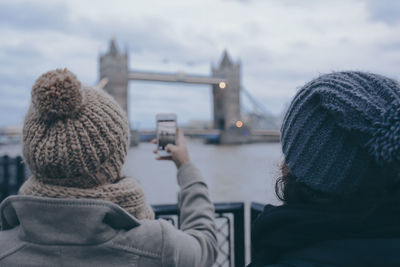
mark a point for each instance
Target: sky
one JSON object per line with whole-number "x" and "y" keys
{"x": 281, "y": 45}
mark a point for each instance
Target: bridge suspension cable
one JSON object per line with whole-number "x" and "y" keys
{"x": 259, "y": 117}
{"x": 258, "y": 108}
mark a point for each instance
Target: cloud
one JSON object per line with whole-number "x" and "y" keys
{"x": 281, "y": 45}
{"x": 34, "y": 16}
{"x": 386, "y": 11}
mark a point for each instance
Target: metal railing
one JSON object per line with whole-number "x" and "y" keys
{"x": 229, "y": 220}
{"x": 12, "y": 175}
{"x": 255, "y": 210}
{"x": 229, "y": 217}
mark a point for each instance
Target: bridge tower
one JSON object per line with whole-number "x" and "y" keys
{"x": 114, "y": 67}
{"x": 226, "y": 96}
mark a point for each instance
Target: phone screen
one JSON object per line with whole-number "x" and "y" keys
{"x": 166, "y": 132}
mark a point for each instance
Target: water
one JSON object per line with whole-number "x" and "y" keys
{"x": 233, "y": 173}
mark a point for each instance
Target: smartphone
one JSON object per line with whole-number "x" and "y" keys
{"x": 166, "y": 132}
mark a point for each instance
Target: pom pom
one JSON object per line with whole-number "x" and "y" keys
{"x": 57, "y": 94}
{"x": 385, "y": 143}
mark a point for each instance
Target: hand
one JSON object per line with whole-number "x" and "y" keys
{"x": 179, "y": 153}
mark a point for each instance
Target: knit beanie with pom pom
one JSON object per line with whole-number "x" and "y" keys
{"x": 338, "y": 126}
{"x": 75, "y": 140}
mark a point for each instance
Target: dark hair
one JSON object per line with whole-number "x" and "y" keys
{"x": 381, "y": 184}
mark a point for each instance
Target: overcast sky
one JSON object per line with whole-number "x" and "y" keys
{"x": 281, "y": 44}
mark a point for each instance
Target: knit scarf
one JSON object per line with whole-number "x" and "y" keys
{"x": 127, "y": 193}
{"x": 281, "y": 229}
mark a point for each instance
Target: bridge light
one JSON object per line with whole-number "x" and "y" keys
{"x": 222, "y": 85}
{"x": 239, "y": 124}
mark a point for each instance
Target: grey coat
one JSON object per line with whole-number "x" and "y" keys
{"x": 66, "y": 232}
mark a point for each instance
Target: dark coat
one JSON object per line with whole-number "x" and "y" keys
{"x": 350, "y": 252}
{"x": 296, "y": 235}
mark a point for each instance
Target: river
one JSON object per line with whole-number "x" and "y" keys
{"x": 233, "y": 173}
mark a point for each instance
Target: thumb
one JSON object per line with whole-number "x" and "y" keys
{"x": 171, "y": 148}
{"x": 180, "y": 137}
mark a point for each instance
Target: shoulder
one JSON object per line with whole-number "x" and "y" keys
{"x": 9, "y": 242}
{"x": 159, "y": 239}
{"x": 145, "y": 239}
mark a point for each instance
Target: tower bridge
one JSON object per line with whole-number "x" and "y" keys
{"x": 225, "y": 81}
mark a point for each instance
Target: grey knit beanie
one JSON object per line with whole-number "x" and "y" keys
{"x": 75, "y": 141}
{"x": 338, "y": 125}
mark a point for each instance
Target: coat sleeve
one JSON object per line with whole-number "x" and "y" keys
{"x": 196, "y": 243}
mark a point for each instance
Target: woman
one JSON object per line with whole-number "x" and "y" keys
{"x": 77, "y": 209}
{"x": 340, "y": 183}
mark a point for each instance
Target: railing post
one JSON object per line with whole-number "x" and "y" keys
{"x": 6, "y": 177}
{"x": 20, "y": 171}
{"x": 239, "y": 236}
{"x": 255, "y": 210}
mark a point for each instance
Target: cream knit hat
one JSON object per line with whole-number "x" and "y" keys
{"x": 75, "y": 141}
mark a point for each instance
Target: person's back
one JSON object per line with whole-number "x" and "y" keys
{"x": 340, "y": 183}
{"x": 76, "y": 209}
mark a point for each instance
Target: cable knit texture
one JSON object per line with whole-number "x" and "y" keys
{"x": 75, "y": 138}
{"x": 126, "y": 193}
{"x": 337, "y": 125}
